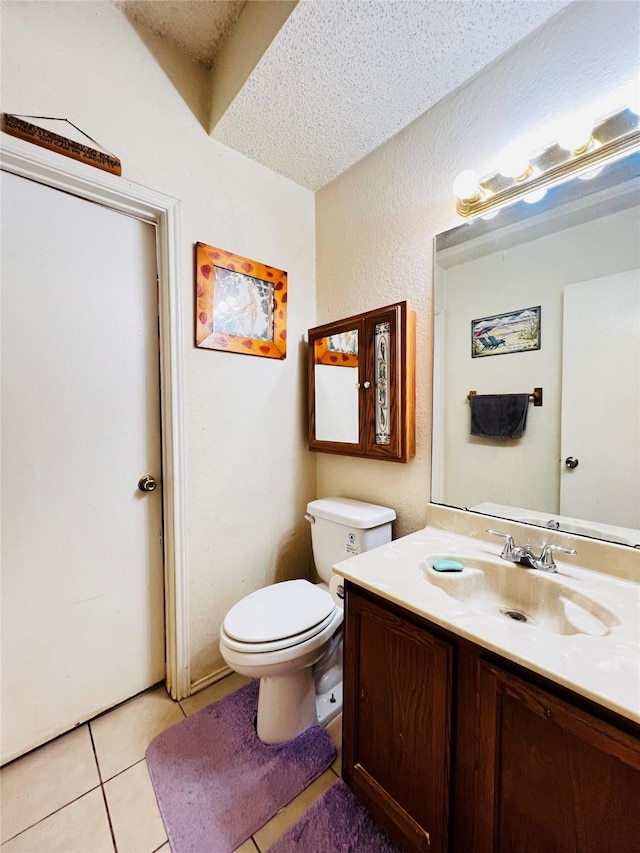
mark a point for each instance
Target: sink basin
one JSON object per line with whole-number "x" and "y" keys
{"x": 526, "y": 596}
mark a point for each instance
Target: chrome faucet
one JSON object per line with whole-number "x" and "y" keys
{"x": 524, "y": 555}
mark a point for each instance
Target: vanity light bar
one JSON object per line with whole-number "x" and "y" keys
{"x": 611, "y": 138}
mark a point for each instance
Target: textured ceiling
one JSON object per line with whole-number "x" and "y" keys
{"x": 197, "y": 27}
{"x": 343, "y": 76}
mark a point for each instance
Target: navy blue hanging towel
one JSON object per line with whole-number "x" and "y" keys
{"x": 498, "y": 415}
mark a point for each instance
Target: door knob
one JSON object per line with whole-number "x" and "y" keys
{"x": 147, "y": 483}
{"x": 571, "y": 462}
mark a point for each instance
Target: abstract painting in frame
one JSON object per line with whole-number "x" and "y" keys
{"x": 241, "y": 305}
{"x": 515, "y": 331}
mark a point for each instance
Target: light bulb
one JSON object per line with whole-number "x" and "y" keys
{"x": 592, "y": 173}
{"x": 574, "y": 132}
{"x": 467, "y": 185}
{"x": 536, "y": 195}
{"x": 514, "y": 163}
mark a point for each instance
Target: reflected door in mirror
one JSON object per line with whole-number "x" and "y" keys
{"x": 600, "y": 423}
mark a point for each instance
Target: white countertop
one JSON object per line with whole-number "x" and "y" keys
{"x": 605, "y": 669}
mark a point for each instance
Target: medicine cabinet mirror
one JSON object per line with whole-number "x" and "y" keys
{"x": 576, "y": 254}
{"x": 362, "y": 385}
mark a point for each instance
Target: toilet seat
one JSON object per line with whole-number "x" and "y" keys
{"x": 274, "y": 645}
{"x": 248, "y": 659}
{"x": 278, "y": 617}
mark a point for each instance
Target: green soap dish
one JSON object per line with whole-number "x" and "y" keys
{"x": 448, "y": 566}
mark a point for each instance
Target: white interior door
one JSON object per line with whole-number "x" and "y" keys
{"x": 82, "y": 578}
{"x": 601, "y": 400}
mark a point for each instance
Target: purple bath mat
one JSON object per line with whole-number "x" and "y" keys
{"x": 335, "y": 823}
{"x": 216, "y": 783}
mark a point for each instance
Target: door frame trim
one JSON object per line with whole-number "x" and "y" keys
{"x": 54, "y": 170}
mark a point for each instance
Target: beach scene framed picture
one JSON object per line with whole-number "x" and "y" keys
{"x": 501, "y": 334}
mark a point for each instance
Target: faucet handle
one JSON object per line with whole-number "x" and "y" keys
{"x": 546, "y": 557}
{"x": 510, "y": 551}
{"x": 559, "y": 549}
{"x": 506, "y": 536}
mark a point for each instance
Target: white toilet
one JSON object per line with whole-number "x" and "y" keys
{"x": 289, "y": 634}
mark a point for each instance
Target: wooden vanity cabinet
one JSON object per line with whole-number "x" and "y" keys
{"x": 381, "y": 393}
{"x": 452, "y": 748}
{"x": 551, "y": 776}
{"x": 397, "y": 723}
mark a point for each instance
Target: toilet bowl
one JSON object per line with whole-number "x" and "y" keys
{"x": 289, "y": 634}
{"x": 277, "y": 634}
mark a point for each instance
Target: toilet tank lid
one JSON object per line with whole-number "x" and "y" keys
{"x": 350, "y": 512}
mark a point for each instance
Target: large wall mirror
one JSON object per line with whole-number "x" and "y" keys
{"x": 545, "y": 296}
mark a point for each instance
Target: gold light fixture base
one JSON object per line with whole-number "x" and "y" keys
{"x": 613, "y": 138}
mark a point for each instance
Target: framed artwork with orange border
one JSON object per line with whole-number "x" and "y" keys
{"x": 241, "y": 305}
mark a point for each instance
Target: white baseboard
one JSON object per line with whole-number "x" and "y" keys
{"x": 208, "y": 680}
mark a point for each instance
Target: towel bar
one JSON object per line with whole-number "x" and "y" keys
{"x": 536, "y": 396}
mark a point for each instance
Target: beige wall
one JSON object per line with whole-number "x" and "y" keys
{"x": 375, "y": 223}
{"x": 249, "y": 472}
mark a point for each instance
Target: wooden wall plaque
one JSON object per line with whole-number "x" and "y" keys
{"x": 17, "y": 126}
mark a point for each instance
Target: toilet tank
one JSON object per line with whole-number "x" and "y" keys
{"x": 341, "y": 528}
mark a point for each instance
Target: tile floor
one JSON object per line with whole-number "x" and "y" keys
{"x": 89, "y": 791}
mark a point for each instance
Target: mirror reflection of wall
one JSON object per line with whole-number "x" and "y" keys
{"x": 583, "y": 269}
{"x": 336, "y": 388}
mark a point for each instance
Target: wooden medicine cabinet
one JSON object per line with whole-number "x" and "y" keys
{"x": 362, "y": 385}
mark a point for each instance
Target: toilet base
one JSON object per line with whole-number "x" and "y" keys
{"x": 286, "y": 706}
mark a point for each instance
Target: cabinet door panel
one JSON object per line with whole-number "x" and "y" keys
{"x": 361, "y": 373}
{"x": 555, "y": 778}
{"x": 397, "y": 723}
{"x": 335, "y": 377}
